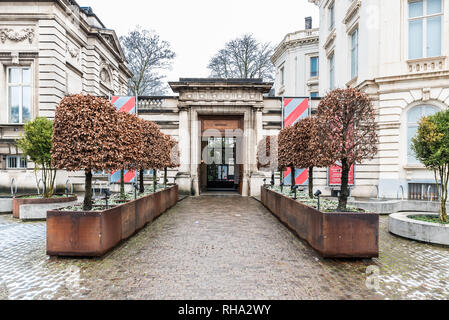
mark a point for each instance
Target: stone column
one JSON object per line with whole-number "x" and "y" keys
{"x": 183, "y": 177}
{"x": 194, "y": 152}
{"x": 257, "y": 177}
{"x": 259, "y": 125}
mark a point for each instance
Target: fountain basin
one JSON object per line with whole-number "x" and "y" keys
{"x": 387, "y": 207}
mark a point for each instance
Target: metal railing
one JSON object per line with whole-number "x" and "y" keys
{"x": 67, "y": 187}
{"x": 13, "y": 187}
{"x": 38, "y": 187}
{"x": 403, "y": 193}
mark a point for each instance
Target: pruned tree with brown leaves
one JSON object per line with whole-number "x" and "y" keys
{"x": 267, "y": 155}
{"x": 151, "y": 146}
{"x": 170, "y": 154}
{"x": 346, "y": 132}
{"x": 131, "y": 140}
{"x": 85, "y": 138}
{"x": 286, "y": 150}
{"x": 305, "y": 149}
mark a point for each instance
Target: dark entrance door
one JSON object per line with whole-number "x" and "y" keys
{"x": 222, "y": 171}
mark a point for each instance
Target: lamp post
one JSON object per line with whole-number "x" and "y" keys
{"x": 295, "y": 188}
{"x": 318, "y": 194}
{"x": 107, "y": 195}
{"x": 136, "y": 187}
{"x": 282, "y": 187}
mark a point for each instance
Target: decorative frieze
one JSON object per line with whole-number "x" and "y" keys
{"x": 18, "y": 36}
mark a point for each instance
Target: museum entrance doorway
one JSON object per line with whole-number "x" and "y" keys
{"x": 221, "y": 167}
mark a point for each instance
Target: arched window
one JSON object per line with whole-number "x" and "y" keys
{"x": 413, "y": 117}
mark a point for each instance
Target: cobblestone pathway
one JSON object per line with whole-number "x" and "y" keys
{"x": 216, "y": 248}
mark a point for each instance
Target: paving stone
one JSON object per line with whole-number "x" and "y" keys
{"x": 217, "y": 248}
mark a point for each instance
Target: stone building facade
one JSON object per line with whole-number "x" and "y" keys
{"x": 397, "y": 52}
{"x": 48, "y": 50}
{"x": 296, "y": 60}
{"x": 235, "y": 113}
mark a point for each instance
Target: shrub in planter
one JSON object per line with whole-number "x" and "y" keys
{"x": 305, "y": 148}
{"x": 431, "y": 146}
{"x": 151, "y": 149}
{"x": 131, "y": 144}
{"x": 86, "y": 131}
{"x": 346, "y": 133}
{"x": 37, "y": 144}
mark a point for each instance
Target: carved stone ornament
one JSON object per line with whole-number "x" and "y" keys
{"x": 22, "y": 35}
{"x": 105, "y": 77}
{"x": 15, "y": 58}
{"x": 73, "y": 51}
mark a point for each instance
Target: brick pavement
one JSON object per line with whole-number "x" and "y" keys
{"x": 216, "y": 248}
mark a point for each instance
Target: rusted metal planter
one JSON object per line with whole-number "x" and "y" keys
{"x": 332, "y": 235}
{"x": 19, "y": 201}
{"x": 93, "y": 234}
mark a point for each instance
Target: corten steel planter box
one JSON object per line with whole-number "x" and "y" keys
{"x": 19, "y": 201}
{"x": 333, "y": 235}
{"x": 93, "y": 234}
{"x": 157, "y": 204}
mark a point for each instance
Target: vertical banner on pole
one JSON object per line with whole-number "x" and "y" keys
{"x": 294, "y": 110}
{"x": 128, "y": 105}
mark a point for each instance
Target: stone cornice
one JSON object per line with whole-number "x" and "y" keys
{"x": 352, "y": 10}
{"x": 330, "y": 39}
{"x": 285, "y": 45}
{"x": 407, "y": 77}
{"x": 220, "y": 84}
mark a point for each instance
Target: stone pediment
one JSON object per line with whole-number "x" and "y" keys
{"x": 112, "y": 41}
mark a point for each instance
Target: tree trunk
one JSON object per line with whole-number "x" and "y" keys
{"x": 344, "y": 194}
{"x": 165, "y": 177}
{"x": 311, "y": 195}
{"x": 444, "y": 194}
{"x": 154, "y": 180}
{"x": 141, "y": 181}
{"x": 443, "y": 212}
{"x": 87, "y": 206}
{"x": 122, "y": 185}
{"x": 293, "y": 177}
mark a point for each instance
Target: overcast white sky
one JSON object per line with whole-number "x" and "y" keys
{"x": 197, "y": 29}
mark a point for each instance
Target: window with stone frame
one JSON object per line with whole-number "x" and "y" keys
{"x": 332, "y": 72}
{"x": 354, "y": 39}
{"x": 414, "y": 116}
{"x": 16, "y": 162}
{"x": 314, "y": 67}
{"x": 425, "y": 22}
{"x": 19, "y": 93}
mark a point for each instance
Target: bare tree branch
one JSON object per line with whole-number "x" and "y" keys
{"x": 243, "y": 58}
{"x": 147, "y": 55}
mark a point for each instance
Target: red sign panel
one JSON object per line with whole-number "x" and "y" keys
{"x": 335, "y": 175}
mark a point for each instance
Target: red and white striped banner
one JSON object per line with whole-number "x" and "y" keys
{"x": 295, "y": 109}
{"x": 128, "y": 105}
